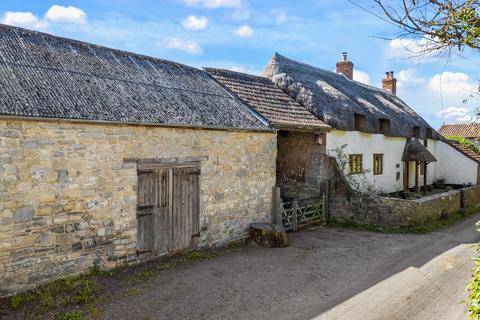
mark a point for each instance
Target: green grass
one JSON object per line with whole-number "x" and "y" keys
{"x": 427, "y": 227}
{"x": 74, "y": 315}
{"x": 16, "y": 301}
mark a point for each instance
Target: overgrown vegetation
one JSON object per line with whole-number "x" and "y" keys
{"x": 473, "y": 299}
{"x": 358, "y": 181}
{"x": 429, "y": 226}
{"x": 465, "y": 142}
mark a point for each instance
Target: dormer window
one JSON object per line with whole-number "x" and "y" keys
{"x": 416, "y": 132}
{"x": 384, "y": 126}
{"x": 359, "y": 122}
{"x": 429, "y": 133}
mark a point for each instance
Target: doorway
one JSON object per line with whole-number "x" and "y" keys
{"x": 168, "y": 208}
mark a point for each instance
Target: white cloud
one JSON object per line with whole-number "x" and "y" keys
{"x": 55, "y": 14}
{"x": 214, "y": 4}
{"x": 195, "y": 23}
{"x": 417, "y": 50}
{"x": 455, "y": 114}
{"x": 189, "y": 46}
{"x": 24, "y": 19}
{"x": 68, "y": 14}
{"x": 361, "y": 76}
{"x": 280, "y": 16}
{"x": 244, "y": 31}
{"x": 453, "y": 83}
{"x": 409, "y": 78}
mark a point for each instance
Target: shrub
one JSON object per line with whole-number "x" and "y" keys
{"x": 465, "y": 142}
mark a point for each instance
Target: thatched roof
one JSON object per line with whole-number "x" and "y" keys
{"x": 268, "y": 100}
{"x": 465, "y": 130}
{"x": 51, "y": 77}
{"x": 416, "y": 151}
{"x": 335, "y": 99}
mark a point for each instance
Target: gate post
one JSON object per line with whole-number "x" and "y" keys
{"x": 294, "y": 215}
{"x": 276, "y": 206}
{"x": 326, "y": 199}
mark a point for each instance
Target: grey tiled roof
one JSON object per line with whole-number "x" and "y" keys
{"x": 335, "y": 99}
{"x": 268, "y": 100}
{"x": 51, "y": 77}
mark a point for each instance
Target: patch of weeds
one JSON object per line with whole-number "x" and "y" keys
{"x": 236, "y": 244}
{"x": 164, "y": 266}
{"x": 147, "y": 273}
{"x": 94, "y": 312}
{"x": 134, "y": 292}
{"x": 87, "y": 293}
{"x": 427, "y": 227}
{"x": 74, "y": 315}
{"x": 196, "y": 255}
{"x": 18, "y": 300}
{"x": 96, "y": 271}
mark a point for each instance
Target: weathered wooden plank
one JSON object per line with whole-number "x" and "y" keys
{"x": 168, "y": 161}
{"x": 147, "y": 203}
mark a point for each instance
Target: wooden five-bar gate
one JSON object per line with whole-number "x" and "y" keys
{"x": 299, "y": 212}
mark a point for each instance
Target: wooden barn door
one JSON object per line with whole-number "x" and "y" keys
{"x": 168, "y": 208}
{"x": 185, "y": 206}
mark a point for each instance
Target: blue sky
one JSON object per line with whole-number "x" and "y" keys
{"x": 242, "y": 35}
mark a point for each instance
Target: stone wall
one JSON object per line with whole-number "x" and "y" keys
{"x": 68, "y": 200}
{"x": 346, "y": 204}
{"x": 471, "y": 197}
{"x": 300, "y": 165}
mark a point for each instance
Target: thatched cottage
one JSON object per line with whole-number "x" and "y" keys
{"x": 377, "y": 138}
{"x": 107, "y": 156}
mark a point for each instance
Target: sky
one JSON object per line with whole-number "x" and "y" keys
{"x": 242, "y": 35}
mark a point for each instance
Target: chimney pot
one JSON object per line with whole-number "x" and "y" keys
{"x": 389, "y": 83}
{"x": 345, "y": 67}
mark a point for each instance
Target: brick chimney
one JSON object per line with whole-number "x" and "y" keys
{"x": 345, "y": 67}
{"x": 389, "y": 83}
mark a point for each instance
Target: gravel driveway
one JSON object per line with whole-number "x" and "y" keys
{"x": 325, "y": 273}
{"x": 321, "y": 268}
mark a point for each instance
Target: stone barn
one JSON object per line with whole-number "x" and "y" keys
{"x": 108, "y": 156}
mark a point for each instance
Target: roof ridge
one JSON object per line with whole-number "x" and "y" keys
{"x": 336, "y": 74}
{"x": 236, "y": 72}
{"x": 89, "y": 44}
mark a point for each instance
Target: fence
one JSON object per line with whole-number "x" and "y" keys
{"x": 299, "y": 212}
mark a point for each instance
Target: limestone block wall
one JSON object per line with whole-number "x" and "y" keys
{"x": 346, "y": 204}
{"x": 392, "y": 212}
{"x": 68, "y": 200}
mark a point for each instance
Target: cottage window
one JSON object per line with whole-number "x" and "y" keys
{"x": 356, "y": 163}
{"x": 377, "y": 164}
{"x": 429, "y": 133}
{"x": 416, "y": 132}
{"x": 384, "y": 126}
{"x": 359, "y": 122}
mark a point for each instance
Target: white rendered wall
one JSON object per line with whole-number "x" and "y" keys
{"x": 392, "y": 149}
{"x": 454, "y": 166}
